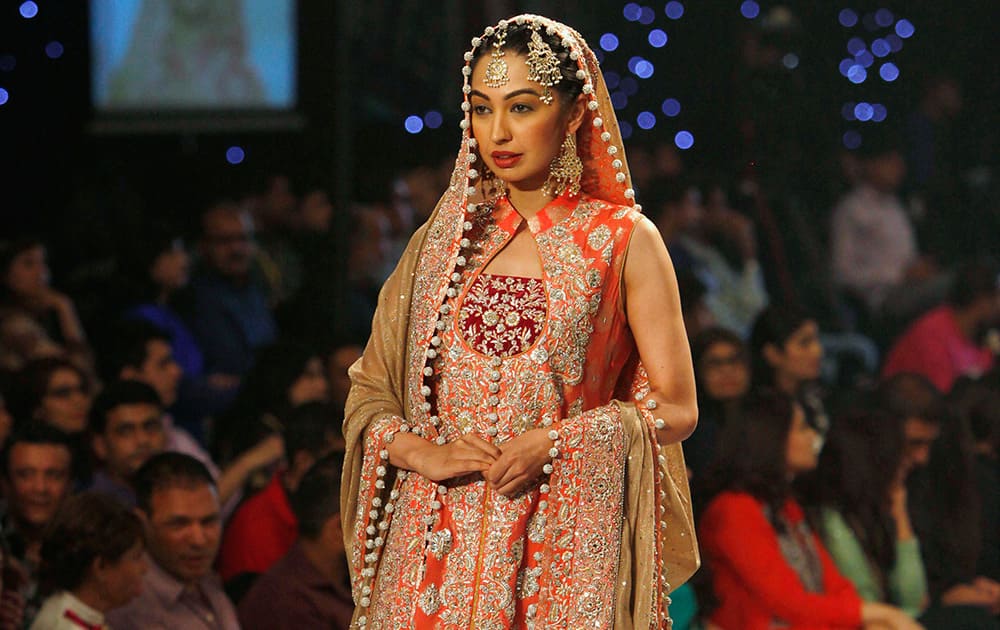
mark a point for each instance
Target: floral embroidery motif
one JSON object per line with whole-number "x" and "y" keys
{"x": 503, "y": 315}
{"x": 429, "y": 601}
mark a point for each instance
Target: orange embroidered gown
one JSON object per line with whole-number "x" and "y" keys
{"x": 509, "y": 355}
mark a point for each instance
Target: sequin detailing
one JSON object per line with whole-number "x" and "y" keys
{"x": 503, "y": 315}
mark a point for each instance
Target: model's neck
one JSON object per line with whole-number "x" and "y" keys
{"x": 528, "y": 202}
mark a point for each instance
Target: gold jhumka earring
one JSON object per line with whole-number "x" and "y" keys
{"x": 565, "y": 170}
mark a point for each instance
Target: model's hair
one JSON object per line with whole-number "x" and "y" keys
{"x": 752, "y": 452}
{"x": 37, "y": 433}
{"x": 518, "y": 36}
{"x": 910, "y": 395}
{"x": 317, "y": 499}
{"x": 88, "y": 526}
{"x": 165, "y": 471}
{"x": 773, "y": 326}
{"x": 116, "y": 394}
{"x": 129, "y": 346}
{"x": 32, "y": 382}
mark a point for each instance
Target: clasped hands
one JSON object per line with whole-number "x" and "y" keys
{"x": 509, "y": 468}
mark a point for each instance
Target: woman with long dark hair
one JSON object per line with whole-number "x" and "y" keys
{"x": 768, "y": 567}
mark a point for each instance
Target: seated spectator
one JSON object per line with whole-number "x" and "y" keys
{"x": 264, "y": 527}
{"x": 24, "y": 285}
{"x": 786, "y": 354}
{"x": 36, "y": 466}
{"x": 861, "y": 502}
{"x": 178, "y": 503}
{"x": 160, "y": 263}
{"x": 54, "y": 391}
{"x": 287, "y": 375}
{"x": 143, "y": 353}
{"x": 697, "y": 316}
{"x": 947, "y": 342}
{"x": 768, "y": 567}
{"x": 229, "y": 313}
{"x": 126, "y": 425}
{"x": 338, "y": 361}
{"x": 722, "y": 373}
{"x": 93, "y": 557}
{"x": 309, "y": 587}
{"x": 23, "y": 339}
{"x": 913, "y": 400}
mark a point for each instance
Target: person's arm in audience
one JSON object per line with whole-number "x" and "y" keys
{"x": 908, "y": 579}
{"x": 234, "y": 476}
{"x": 848, "y": 555}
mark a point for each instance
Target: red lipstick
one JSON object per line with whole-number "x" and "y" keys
{"x": 505, "y": 159}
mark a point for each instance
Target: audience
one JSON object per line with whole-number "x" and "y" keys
{"x": 92, "y": 556}
{"x": 310, "y": 586}
{"x": 54, "y": 391}
{"x": 767, "y": 565}
{"x": 264, "y": 527}
{"x": 37, "y": 464}
{"x": 948, "y": 341}
{"x": 179, "y": 506}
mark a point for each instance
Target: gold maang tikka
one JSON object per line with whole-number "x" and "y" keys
{"x": 496, "y": 69}
{"x": 543, "y": 65}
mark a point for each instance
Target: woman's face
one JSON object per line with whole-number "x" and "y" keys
{"x": 724, "y": 371}
{"x": 799, "y": 359}
{"x": 802, "y": 450}
{"x": 170, "y": 269}
{"x": 28, "y": 271}
{"x": 311, "y": 385}
{"x": 518, "y": 134}
{"x": 122, "y": 580}
{"x": 66, "y": 401}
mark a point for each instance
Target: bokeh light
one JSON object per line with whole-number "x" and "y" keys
{"x": 235, "y": 155}
{"x": 612, "y": 79}
{"x": 4, "y": 96}
{"x": 646, "y": 120}
{"x": 881, "y": 48}
{"x": 671, "y": 107}
{"x": 845, "y": 65}
{"x": 414, "y": 124}
{"x": 847, "y": 18}
{"x": 684, "y": 140}
{"x": 433, "y": 119}
{"x": 863, "y": 111}
{"x": 865, "y": 58}
{"x": 884, "y": 18}
{"x": 28, "y": 9}
{"x": 895, "y": 42}
{"x": 879, "y": 112}
{"x": 626, "y": 128}
{"x": 619, "y": 100}
{"x": 852, "y": 139}
{"x": 647, "y": 15}
{"x": 674, "y": 10}
{"x": 857, "y": 74}
{"x": 905, "y": 29}
{"x": 847, "y": 111}
{"x": 609, "y": 42}
{"x": 630, "y": 86}
{"x": 749, "y": 9}
{"x": 644, "y": 69}
{"x": 54, "y": 50}
{"x": 856, "y": 46}
{"x": 8, "y": 63}
{"x": 889, "y": 72}
{"x": 657, "y": 38}
{"x": 632, "y": 11}
{"x": 790, "y": 61}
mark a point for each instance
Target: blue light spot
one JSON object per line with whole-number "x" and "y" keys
{"x": 857, "y": 74}
{"x": 619, "y": 100}
{"x": 852, "y": 139}
{"x": 790, "y": 61}
{"x": 749, "y": 9}
{"x": 847, "y": 111}
{"x": 869, "y": 22}
{"x": 54, "y": 50}
{"x": 905, "y": 29}
{"x": 612, "y": 79}
{"x": 855, "y": 45}
{"x": 847, "y": 18}
{"x": 4, "y": 96}
{"x": 863, "y": 111}
{"x": 674, "y": 10}
{"x": 414, "y": 124}
{"x": 881, "y": 48}
{"x": 889, "y": 72}
{"x": 895, "y": 42}
{"x": 646, "y": 120}
{"x": 609, "y": 42}
{"x": 647, "y": 15}
{"x": 865, "y": 58}
{"x": 633, "y": 62}
{"x": 235, "y": 155}
{"x": 8, "y": 63}
{"x": 879, "y": 112}
{"x": 644, "y": 69}
{"x": 28, "y": 9}
{"x": 884, "y": 18}
{"x": 626, "y": 129}
{"x": 846, "y": 65}
{"x": 684, "y": 140}
{"x": 630, "y": 86}
{"x": 671, "y": 107}
{"x": 657, "y": 38}
{"x": 433, "y": 119}
{"x": 600, "y": 55}
{"x": 632, "y": 11}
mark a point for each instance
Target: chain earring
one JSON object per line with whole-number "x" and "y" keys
{"x": 565, "y": 170}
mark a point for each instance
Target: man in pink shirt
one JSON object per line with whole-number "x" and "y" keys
{"x": 944, "y": 344}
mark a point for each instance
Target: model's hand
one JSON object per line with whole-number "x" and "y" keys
{"x": 468, "y": 454}
{"x": 520, "y": 463}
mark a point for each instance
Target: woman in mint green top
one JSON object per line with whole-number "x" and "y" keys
{"x": 859, "y": 505}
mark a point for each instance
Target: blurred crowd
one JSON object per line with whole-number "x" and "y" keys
{"x": 174, "y": 422}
